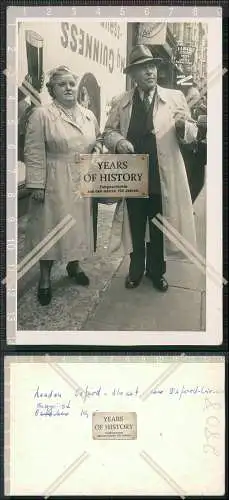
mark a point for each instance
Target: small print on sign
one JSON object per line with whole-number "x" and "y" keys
{"x": 114, "y": 425}
{"x": 115, "y": 176}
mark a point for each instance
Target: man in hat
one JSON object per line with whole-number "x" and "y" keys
{"x": 151, "y": 119}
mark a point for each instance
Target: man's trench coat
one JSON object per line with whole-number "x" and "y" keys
{"x": 176, "y": 198}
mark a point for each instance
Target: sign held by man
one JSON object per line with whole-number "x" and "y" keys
{"x": 115, "y": 175}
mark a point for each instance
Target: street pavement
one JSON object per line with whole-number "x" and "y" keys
{"x": 181, "y": 308}
{"x": 106, "y": 304}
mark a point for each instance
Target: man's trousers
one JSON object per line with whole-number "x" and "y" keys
{"x": 150, "y": 256}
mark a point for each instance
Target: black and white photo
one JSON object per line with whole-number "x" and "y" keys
{"x": 112, "y": 263}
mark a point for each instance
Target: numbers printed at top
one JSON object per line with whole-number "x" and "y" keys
{"x": 195, "y": 11}
{"x": 48, "y": 11}
{"x": 11, "y": 316}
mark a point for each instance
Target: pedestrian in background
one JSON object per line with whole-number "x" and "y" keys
{"x": 151, "y": 119}
{"x": 28, "y": 99}
{"x": 193, "y": 98}
{"x": 195, "y": 154}
{"x": 55, "y": 136}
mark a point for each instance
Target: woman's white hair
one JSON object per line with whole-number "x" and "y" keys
{"x": 55, "y": 73}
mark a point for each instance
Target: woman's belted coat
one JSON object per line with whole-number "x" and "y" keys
{"x": 52, "y": 146}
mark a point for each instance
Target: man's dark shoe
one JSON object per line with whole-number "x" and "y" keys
{"x": 159, "y": 283}
{"x": 129, "y": 283}
{"x": 79, "y": 276}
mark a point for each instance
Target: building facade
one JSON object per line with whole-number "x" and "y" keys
{"x": 161, "y": 38}
{"x": 162, "y": 43}
{"x": 191, "y": 55}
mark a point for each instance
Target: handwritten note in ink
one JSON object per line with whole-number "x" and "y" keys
{"x": 50, "y": 404}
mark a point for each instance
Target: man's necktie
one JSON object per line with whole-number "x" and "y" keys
{"x": 146, "y": 101}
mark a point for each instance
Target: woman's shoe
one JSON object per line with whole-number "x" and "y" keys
{"x": 44, "y": 295}
{"x": 79, "y": 276}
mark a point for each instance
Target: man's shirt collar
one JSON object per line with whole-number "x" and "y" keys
{"x": 150, "y": 93}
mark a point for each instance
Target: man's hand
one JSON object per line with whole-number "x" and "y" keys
{"x": 180, "y": 126}
{"x": 38, "y": 195}
{"x": 124, "y": 147}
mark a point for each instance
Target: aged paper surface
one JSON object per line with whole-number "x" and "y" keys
{"x": 114, "y": 425}
{"x": 178, "y": 403}
{"x": 94, "y": 41}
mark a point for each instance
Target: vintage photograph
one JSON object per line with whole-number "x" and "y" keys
{"x": 118, "y": 423}
{"x": 112, "y": 262}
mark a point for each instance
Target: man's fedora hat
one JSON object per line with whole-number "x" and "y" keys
{"x": 141, "y": 54}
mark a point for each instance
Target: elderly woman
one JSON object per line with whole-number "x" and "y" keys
{"x": 55, "y": 136}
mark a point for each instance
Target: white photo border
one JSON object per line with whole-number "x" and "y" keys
{"x": 214, "y": 306}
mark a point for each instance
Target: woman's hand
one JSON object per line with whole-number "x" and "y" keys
{"x": 38, "y": 195}
{"x": 97, "y": 149}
